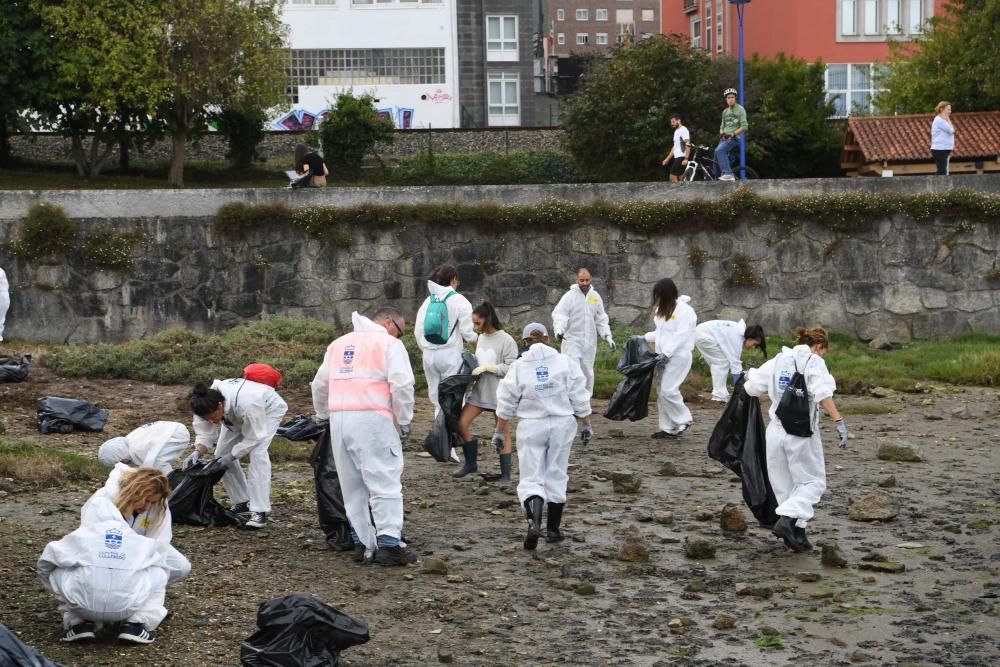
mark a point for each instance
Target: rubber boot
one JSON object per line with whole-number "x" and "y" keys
{"x": 552, "y": 533}
{"x": 803, "y": 538}
{"x": 505, "y": 470}
{"x": 533, "y": 510}
{"x": 785, "y": 529}
{"x": 471, "y": 451}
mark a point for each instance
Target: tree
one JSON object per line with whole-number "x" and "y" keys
{"x": 225, "y": 54}
{"x": 955, "y": 60}
{"x": 351, "y": 132}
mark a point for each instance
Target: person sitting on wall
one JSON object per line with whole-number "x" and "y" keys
{"x": 311, "y": 166}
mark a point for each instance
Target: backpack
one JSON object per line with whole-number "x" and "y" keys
{"x": 436, "y": 329}
{"x": 793, "y": 408}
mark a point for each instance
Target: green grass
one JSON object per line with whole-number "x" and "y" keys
{"x": 32, "y": 464}
{"x": 868, "y": 408}
{"x": 146, "y": 175}
{"x": 282, "y": 450}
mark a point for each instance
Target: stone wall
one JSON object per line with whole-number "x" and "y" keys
{"x": 898, "y": 278}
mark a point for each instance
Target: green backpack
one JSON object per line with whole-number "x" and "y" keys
{"x": 436, "y": 328}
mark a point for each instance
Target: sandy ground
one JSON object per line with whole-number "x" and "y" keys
{"x": 499, "y": 605}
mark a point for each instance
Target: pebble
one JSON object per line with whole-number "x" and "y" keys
{"x": 668, "y": 470}
{"x": 445, "y": 656}
{"x": 832, "y": 556}
{"x": 754, "y": 590}
{"x": 663, "y": 518}
{"x": 874, "y": 506}
{"x": 724, "y": 622}
{"x": 634, "y": 548}
{"x": 732, "y": 519}
{"x": 703, "y": 514}
{"x": 584, "y": 588}
{"x": 616, "y": 433}
{"x": 910, "y": 545}
{"x": 808, "y": 577}
{"x": 898, "y": 451}
{"x": 626, "y": 482}
{"x": 541, "y": 606}
{"x": 434, "y": 566}
{"x": 698, "y": 547}
{"x": 888, "y": 482}
{"x": 882, "y": 566}
{"x": 578, "y": 538}
{"x": 696, "y": 585}
{"x": 454, "y": 579}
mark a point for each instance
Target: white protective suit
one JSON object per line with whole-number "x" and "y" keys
{"x": 546, "y": 390}
{"x": 154, "y": 445}
{"x": 581, "y": 319}
{"x": 364, "y": 384}
{"x": 440, "y": 361}
{"x": 721, "y": 345}
{"x": 795, "y": 465}
{"x": 674, "y": 338}
{"x": 4, "y": 300}
{"x": 252, "y": 413}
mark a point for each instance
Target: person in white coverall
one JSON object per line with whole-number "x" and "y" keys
{"x": 578, "y": 320}
{"x": 674, "y": 338}
{"x": 795, "y": 465}
{"x": 364, "y": 387}
{"x": 154, "y": 445}
{"x": 721, "y": 343}
{"x": 117, "y": 564}
{"x": 4, "y": 301}
{"x": 240, "y": 417}
{"x": 547, "y": 391}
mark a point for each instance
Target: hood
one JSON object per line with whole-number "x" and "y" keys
{"x": 362, "y": 323}
{"x": 576, "y": 288}
{"x": 438, "y": 290}
{"x": 539, "y": 351}
{"x": 113, "y": 451}
{"x": 801, "y": 354}
{"x": 683, "y": 298}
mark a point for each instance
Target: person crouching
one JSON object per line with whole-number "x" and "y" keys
{"x": 547, "y": 391}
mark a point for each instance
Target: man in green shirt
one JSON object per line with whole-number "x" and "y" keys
{"x": 734, "y": 123}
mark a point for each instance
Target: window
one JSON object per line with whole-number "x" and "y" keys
{"x": 501, "y": 38}
{"x": 647, "y": 15}
{"x": 561, "y": 38}
{"x": 384, "y": 2}
{"x": 583, "y": 15}
{"x": 696, "y": 33}
{"x": 847, "y": 17}
{"x": 602, "y": 38}
{"x": 916, "y": 17}
{"x": 582, "y": 38}
{"x": 851, "y": 88}
{"x": 502, "y": 92}
{"x": 871, "y": 17}
{"x": 300, "y": 3}
{"x": 601, "y": 14}
{"x": 718, "y": 26}
{"x": 364, "y": 67}
{"x": 560, "y": 15}
{"x": 893, "y": 20}
{"x": 708, "y": 25}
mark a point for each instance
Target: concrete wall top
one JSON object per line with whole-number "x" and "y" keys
{"x": 193, "y": 203}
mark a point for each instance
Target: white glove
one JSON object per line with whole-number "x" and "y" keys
{"x": 497, "y": 440}
{"x": 225, "y": 459}
{"x": 559, "y": 334}
{"x": 586, "y": 434}
{"x": 485, "y": 368}
{"x": 404, "y": 433}
{"x": 611, "y": 342}
{"x": 842, "y": 430}
{"x": 191, "y": 460}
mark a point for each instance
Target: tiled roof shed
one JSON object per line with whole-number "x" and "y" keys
{"x": 902, "y": 144}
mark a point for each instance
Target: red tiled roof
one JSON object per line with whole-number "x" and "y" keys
{"x": 908, "y": 138}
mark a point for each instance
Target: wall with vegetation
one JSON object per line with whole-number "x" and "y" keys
{"x": 895, "y": 257}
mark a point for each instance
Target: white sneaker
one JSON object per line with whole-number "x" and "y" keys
{"x": 727, "y": 177}
{"x": 257, "y": 520}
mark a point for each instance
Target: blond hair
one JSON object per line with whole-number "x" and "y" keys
{"x": 811, "y": 336}
{"x": 138, "y": 485}
{"x": 940, "y": 106}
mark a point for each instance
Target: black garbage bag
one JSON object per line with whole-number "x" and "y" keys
{"x": 329, "y": 497}
{"x": 738, "y": 442}
{"x": 302, "y": 427}
{"x": 63, "y": 415}
{"x": 451, "y": 394}
{"x": 297, "y": 630}
{"x": 192, "y": 500}
{"x": 15, "y": 653}
{"x": 631, "y": 397}
{"x": 13, "y": 370}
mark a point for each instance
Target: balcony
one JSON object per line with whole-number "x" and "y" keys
{"x": 690, "y": 6}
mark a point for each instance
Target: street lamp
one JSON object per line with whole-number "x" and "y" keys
{"x": 740, "y": 7}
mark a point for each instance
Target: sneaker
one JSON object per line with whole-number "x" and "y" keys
{"x": 358, "y": 553}
{"x": 677, "y": 434}
{"x": 727, "y": 177}
{"x": 659, "y": 435}
{"x": 257, "y": 520}
{"x": 240, "y": 508}
{"x": 79, "y": 632}
{"x": 393, "y": 556}
{"x": 136, "y": 632}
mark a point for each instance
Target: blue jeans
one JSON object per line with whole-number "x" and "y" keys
{"x": 722, "y": 153}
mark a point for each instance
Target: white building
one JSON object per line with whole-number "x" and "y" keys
{"x": 402, "y": 52}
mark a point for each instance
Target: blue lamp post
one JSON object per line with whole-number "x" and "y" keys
{"x": 740, "y": 7}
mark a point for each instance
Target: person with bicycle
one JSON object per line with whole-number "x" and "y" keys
{"x": 681, "y": 152}
{"x": 734, "y": 123}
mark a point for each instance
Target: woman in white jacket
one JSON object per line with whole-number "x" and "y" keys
{"x": 795, "y": 465}
{"x": 117, "y": 564}
{"x": 673, "y": 337}
{"x": 444, "y": 358}
{"x": 153, "y": 445}
{"x": 721, "y": 343}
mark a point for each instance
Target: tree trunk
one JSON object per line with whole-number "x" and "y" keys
{"x": 123, "y": 146}
{"x": 79, "y": 156}
{"x": 4, "y": 144}
{"x": 179, "y": 145}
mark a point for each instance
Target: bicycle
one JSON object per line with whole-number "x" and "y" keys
{"x": 705, "y": 168}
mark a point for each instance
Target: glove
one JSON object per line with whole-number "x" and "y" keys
{"x": 485, "y": 368}
{"x": 497, "y": 440}
{"x": 225, "y": 459}
{"x": 559, "y": 335}
{"x": 611, "y": 342}
{"x": 736, "y": 377}
{"x": 586, "y": 434}
{"x": 842, "y": 430}
{"x": 661, "y": 360}
{"x": 404, "y": 433}
{"x": 191, "y": 460}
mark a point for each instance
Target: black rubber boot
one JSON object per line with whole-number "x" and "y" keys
{"x": 533, "y": 509}
{"x": 471, "y": 451}
{"x": 786, "y": 530}
{"x": 803, "y": 538}
{"x": 505, "y": 470}
{"x": 552, "y": 533}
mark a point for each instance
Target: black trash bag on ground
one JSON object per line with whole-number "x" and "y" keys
{"x": 738, "y": 442}
{"x": 631, "y": 398}
{"x": 192, "y": 500}
{"x": 12, "y": 370}
{"x": 63, "y": 415}
{"x": 300, "y": 428}
{"x": 451, "y": 394}
{"x": 297, "y": 630}
{"x": 329, "y": 497}
{"x": 15, "y": 653}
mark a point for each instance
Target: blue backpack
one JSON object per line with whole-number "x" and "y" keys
{"x": 436, "y": 329}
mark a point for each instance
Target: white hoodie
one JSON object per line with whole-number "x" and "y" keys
{"x": 246, "y": 407}
{"x": 459, "y": 318}
{"x": 676, "y": 335}
{"x": 543, "y": 383}
{"x": 581, "y": 317}
{"x": 729, "y": 336}
{"x": 774, "y": 376}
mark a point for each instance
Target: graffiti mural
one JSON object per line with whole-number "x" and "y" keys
{"x": 300, "y": 120}
{"x": 404, "y": 118}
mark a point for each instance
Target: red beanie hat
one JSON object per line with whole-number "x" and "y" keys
{"x": 262, "y": 373}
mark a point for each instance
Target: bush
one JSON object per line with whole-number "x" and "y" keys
{"x": 46, "y": 230}
{"x": 351, "y": 132}
{"x": 244, "y": 131}
{"x": 485, "y": 169}
{"x": 111, "y": 250}
{"x": 32, "y": 464}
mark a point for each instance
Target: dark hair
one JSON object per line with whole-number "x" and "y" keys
{"x": 811, "y": 336}
{"x": 756, "y": 332}
{"x": 665, "y": 297}
{"x": 205, "y": 400}
{"x": 301, "y": 150}
{"x": 486, "y": 311}
{"x": 677, "y": 116}
{"x": 444, "y": 274}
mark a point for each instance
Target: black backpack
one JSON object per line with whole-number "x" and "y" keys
{"x": 793, "y": 408}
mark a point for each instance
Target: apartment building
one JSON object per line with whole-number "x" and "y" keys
{"x": 851, "y": 37}
{"x": 589, "y": 26}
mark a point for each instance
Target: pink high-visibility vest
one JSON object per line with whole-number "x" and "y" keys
{"x": 359, "y": 380}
